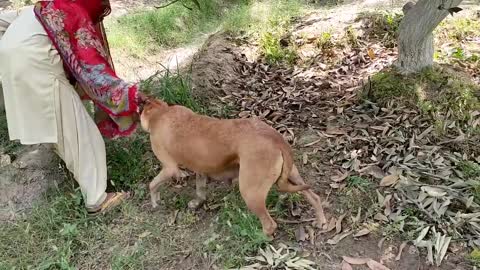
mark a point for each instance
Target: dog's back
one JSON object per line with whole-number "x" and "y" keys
{"x": 192, "y": 138}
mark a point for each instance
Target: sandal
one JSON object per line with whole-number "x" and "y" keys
{"x": 113, "y": 200}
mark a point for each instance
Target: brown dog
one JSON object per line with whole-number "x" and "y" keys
{"x": 224, "y": 149}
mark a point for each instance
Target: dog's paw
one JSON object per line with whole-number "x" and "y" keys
{"x": 195, "y": 204}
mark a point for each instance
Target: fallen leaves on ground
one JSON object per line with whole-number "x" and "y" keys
{"x": 283, "y": 257}
{"x": 412, "y": 164}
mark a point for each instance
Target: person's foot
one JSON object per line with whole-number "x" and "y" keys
{"x": 111, "y": 201}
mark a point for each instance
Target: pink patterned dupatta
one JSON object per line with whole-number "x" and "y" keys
{"x": 84, "y": 51}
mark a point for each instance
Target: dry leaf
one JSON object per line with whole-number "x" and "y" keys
{"x": 335, "y": 131}
{"x": 389, "y": 180}
{"x": 305, "y": 158}
{"x": 338, "y": 225}
{"x": 330, "y": 226}
{"x": 362, "y": 232}
{"x": 380, "y": 217}
{"x": 374, "y": 171}
{"x": 374, "y": 265}
{"x": 337, "y": 238}
{"x": 400, "y": 250}
{"x": 434, "y": 191}
{"x": 300, "y": 234}
{"x": 355, "y": 261}
{"x": 144, "y": 234}
{"x": 371, "y": 54}
{"x": 340, "y": 178}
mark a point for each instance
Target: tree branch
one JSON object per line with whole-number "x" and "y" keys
{"x": 167, "y": 4}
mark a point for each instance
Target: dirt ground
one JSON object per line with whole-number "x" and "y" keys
{"x": 217, "y": 71}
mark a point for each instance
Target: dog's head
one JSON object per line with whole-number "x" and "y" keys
{"x": 150, "y": 107}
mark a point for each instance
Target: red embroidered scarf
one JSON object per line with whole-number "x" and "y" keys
{"x": 70, "y": 24}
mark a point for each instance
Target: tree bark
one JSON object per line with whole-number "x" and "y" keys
{"x": 2, "y": 100}
{"x": 415, "y": 38}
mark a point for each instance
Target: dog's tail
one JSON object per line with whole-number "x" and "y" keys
{"x": 283, "y": 183}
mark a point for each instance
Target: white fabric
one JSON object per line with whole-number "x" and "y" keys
{"x": 81, "y": 145}
{"x": 6, "y": 19}
{"x": 43, "y": 107}
{"x": 29, "y": 66}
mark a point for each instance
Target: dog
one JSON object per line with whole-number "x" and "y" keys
{"x": 223, "y": 149}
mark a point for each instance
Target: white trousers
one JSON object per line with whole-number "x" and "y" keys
{"x": 43, "y": 107}
{"x": 81, "y": 146}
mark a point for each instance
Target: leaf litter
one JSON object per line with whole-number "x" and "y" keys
{"x": 396, "y": 147}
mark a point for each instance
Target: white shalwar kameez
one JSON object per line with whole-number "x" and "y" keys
{"x": 43, "y": 107}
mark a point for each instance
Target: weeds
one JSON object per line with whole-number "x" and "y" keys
{"x": 50, "y": 236}
{"x": 457, "y": 30}
{"x": 244, "y": 231}
{"x": 474, "y": 257}
{"x": 148, "y": 31}
{"x": 173, "y": 88}
{"x": 358, "y": 182}
{"x": 274, "y": 52}
{"x": 325, "y": 41}
{"x": 434, "y": 91}
{"x": 382, "y": 26}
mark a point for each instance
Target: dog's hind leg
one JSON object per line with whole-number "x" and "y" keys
{"x": 257, "y": 176}
{"x": 201, "y": 192}
{"x": 311, "y": 197}
{"x": 164, "y": 176}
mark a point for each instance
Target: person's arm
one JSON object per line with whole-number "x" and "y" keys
{"x": 6, "y": 18}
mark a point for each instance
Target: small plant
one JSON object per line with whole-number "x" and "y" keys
{"x": 358, "y": 182}
{"x": 459, "y": 54}
{"x": 474, "y": 257}
{"x": 352, "y": 37}
{"x": 470, "y": 169}
{"x": 172, "y": 87}
{"x": 325, "y": 41}
{"x": 274, "y": 52}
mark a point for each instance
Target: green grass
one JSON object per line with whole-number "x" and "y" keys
{"x": 470, "y": 169}
{"x": 474, "y": 257}
{"x": 471, "y": 172}
{"x": 174, "y": 88}
{"x": 241, "y": 230}
{"x": 358, "y": 183}
{"x": 6, "y": 146}
{"x": 434, "y": 91}
{"x": 149, "y": 31}
{"x": 271, "y": 23}
{"x": 50, "y": 235}
{"x": 458, "y": 29}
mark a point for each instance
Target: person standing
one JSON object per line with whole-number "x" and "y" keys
{"x": 45, "y": 51}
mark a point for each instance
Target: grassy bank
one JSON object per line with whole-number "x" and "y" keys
{"x": 149, "y": 31}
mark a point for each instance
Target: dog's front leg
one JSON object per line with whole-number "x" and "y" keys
{"x": 201, "y": 192}
{"x": 164, "y": 176}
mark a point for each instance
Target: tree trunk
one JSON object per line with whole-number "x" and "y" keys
{"x": 415, "y": 38}
{"x": 2, "y": 100}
